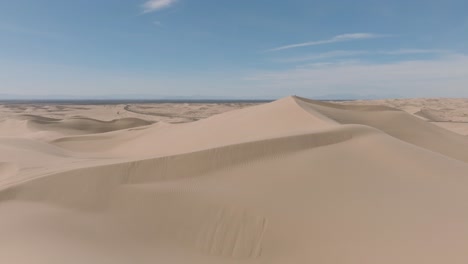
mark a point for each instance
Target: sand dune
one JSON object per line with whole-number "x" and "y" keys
{"x": 397, "y": 124}
{"x": 432, "y": 115}
{"x": 85, "y": 125}
{"x": 270, "y": 120}
{"x": 82, "y": 125}
{"x": 293, "y": 181}
{"x": 46, "y": 128}
{"x": 448, "y": 113}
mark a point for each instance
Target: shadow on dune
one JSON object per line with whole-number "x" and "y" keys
{"x": 82, "y": 125}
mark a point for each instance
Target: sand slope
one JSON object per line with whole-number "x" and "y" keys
{"x": 293, "y": 181}
{"x": 397, "y": 124}
{"x": 448, "y": 113}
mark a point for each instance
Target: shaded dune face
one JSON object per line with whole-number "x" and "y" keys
{"x": 83, "y": 125}
{"x": 293, "y": 181}
{"x": 27, "y": 125}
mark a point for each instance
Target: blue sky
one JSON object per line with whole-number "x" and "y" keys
{"x": 254, "y": 48}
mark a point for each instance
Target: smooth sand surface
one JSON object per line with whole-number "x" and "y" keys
{"x": 292, "y": 181}
{"x": 449, "y": 113}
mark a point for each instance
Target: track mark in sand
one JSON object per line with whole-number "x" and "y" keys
{"x": 233, "y": 233}
{"x": 188, "y": 220}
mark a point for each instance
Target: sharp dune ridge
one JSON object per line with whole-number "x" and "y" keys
{"x": 292, "y": 181}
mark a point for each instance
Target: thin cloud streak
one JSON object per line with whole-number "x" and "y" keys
{"x": 414, "y": 51}
{"x": 335, "y": 39}
{"x": 325, "y": 55}
{"x": 156, "y": 5}
{"x": 355, "y": 53}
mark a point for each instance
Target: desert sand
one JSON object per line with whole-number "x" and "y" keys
{"x": 291, "y": 181}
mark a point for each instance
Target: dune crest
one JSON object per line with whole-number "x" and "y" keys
{"x": 292, "y": 181}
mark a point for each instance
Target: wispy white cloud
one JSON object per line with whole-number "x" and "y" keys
{"x": 356, "y": 53}
{"x": 442, "y": 76}
{"x": 155, "y": 5}
{"x": 335, "y": 39}
{"x": 325, "y": 55}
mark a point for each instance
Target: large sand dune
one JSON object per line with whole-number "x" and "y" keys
{"x": 292, "y": 181}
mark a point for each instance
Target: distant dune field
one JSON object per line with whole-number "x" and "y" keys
{"x": 291, "y": 181}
